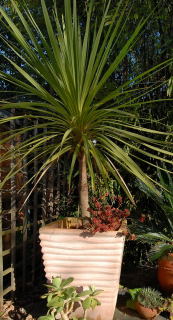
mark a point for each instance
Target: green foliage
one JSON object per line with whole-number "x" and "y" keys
{"x": 170, "y": 87}
{"x": 150, "y": 298}
{"x": 63, "y": 74}
{"x": 134, "y": 293}
{"x": 160, "y": 249}
{"x": 47, "y": 317}
{"x": 62, "y": 297}
{"x": 167, "y": 194}
{"x": 130, "y": 303}
{"x": 162, "y": 242}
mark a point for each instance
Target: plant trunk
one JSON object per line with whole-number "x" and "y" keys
{"x": 83, "y": 186}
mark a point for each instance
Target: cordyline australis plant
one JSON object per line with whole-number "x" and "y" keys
{"x": 61, "y": 84}
{"x": 63, "y": 299}
{"x": 107, "y": 213}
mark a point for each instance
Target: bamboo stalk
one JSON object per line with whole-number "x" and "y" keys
{"x": 13, "y": 232}
{"x": 50, "y": 202}
{"x": 57, "y": 191}
{"x": 25, "y": 220}
{"x": 13, "y": 217}
{"x": 44, "y": 193}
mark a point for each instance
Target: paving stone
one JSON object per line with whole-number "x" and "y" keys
{"x": 127, "y": 314}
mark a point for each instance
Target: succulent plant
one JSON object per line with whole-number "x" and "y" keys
{"x": 150, "y": 298}
{"x": 62, "y": 297}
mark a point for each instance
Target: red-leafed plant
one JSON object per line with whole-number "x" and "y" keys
{"x": 107, "y": 213}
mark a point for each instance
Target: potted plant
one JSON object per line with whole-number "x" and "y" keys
{"x": 63, "y": 75}
{"x": 162, "y": 242}
{"x": 63, "y": 299}
{"x": 91, "y": 253}
{"x": 149, "y": 302}
{"x": 162, "y": 252}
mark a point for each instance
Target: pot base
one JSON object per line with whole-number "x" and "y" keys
{"x": 146, "y": 313}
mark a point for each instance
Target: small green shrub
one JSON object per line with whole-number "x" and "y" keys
{"x": 150, "y": 298}
{"x": 63, "y": 298}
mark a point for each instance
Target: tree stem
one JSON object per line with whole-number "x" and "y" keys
{"x": 83, "y": 186}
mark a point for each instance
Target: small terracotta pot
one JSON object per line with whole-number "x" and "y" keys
{"x": 165, "y": 273}
{"x": 146, "y": 313}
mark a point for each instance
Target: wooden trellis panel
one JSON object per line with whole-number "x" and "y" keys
{"x": 28, "y": 247}
{"x": 23, "y": 236}
{"x": 19, "y": 257}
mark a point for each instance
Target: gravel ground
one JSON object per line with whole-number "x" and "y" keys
{"x": 30, "y": 306}
{"x": 33, "y": 310}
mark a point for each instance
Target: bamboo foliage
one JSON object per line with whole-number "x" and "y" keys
{"x": 68, "y": 68}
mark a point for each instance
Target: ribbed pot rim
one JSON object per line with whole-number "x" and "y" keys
{"x": 52, "y": 228}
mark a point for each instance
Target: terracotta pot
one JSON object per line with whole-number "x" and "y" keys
{"x": 91, "y": 260}
{"x": 165, "y": 272}
{"x": 146, "y": 313}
